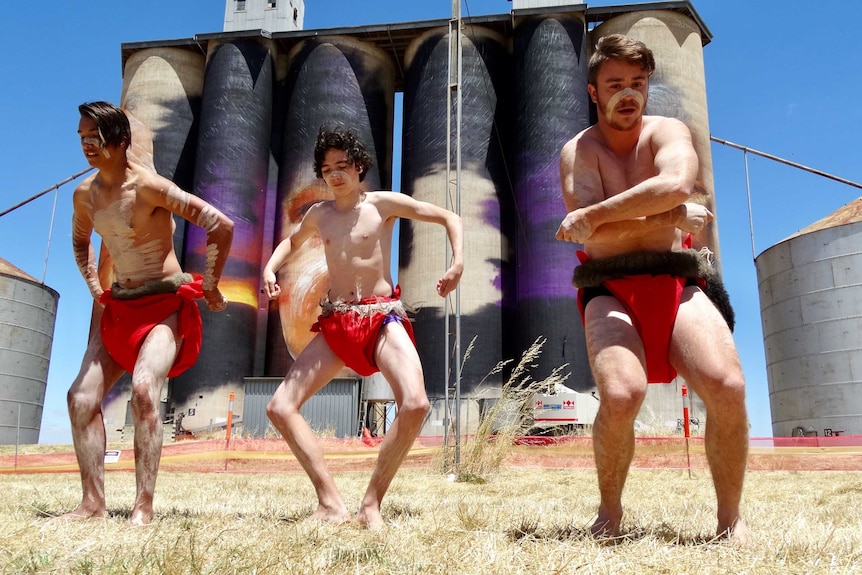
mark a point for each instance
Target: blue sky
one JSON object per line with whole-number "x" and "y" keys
{"x": 782, "y": 77}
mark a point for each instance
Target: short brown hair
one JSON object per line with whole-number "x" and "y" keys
{"x": 620, "y": 47}
{"x": 112, "y": 122}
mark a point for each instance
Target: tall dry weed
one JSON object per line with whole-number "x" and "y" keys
{"x": 511, "y": 415}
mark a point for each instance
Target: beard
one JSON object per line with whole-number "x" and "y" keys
{"x": 624, "y": 123}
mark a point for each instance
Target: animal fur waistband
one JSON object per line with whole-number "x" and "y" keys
{"x": 681, "y": 264}
{"x": 169, "y": 284}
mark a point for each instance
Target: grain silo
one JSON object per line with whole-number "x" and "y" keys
{"x": 485, "y": 290}
{"x": 28, "y": 310}
{"x": 810, "y": 289}
{"x": 551, "y": 105}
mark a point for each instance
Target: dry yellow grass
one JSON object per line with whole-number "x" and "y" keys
{"x": 529, "y": 521}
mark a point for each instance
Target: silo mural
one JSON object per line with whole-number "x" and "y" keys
{"x": 552, "y": 106}
{"x": 162, "y": 88}
{"x": 332, "y": 81}
{"x": 242, "y": 138}
{"x": 486, "y": 199}
{"x": 678, "y": 90}
{"x": 231, "y": 173}
{"x": 27, "y": 313}
{"x": 811, "y": 309}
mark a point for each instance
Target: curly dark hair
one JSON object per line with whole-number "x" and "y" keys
{"x": 341, "y": 139}
{"x": 112, "y": 122}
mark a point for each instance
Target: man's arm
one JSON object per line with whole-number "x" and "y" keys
{"x": 219, "y": 229}
{"x": 306, "y": 228}
{"x": 404, "y": 206}
{"x": 676, "y": 167}
{"x": 82, "y": 230}
{"x": 581, "y": 183}
{"x": 689, "y": 217}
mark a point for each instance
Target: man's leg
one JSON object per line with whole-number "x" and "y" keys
{"x": 398, "y": 361}
{"x": 618, "y": 365}
{"x": 703, "y": 351}
{"x": 312, "y": 370}
{"x": 154, "y": 361}
{"x": 99, "y": 372}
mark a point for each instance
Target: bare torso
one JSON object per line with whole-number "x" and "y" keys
{"x": 137, "y": 234}
{"x": 357, "y": 244}
{"x": 620, "y": 172}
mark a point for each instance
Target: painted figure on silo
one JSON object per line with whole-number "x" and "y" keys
{"x": 627, "y": 182}
{"x": 363, "y": 323}
{"x": 147, "y": 320}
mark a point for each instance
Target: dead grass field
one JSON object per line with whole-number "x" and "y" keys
{"x": 519, "y": 521}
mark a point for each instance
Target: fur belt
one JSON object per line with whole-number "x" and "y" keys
{"x": 682, "y": 264}
{"x": 169, "y": 284}
{"x": 384, "y": 306}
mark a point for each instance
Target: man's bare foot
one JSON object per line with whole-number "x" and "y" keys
{"x": 331, "y": 515}
{"x": 81, "y": 514}
{"x": 737, "y": 533}
{"x": 370, "y": 518}
{"x": 141, "y": 517}
{"x": 606, "y": 526}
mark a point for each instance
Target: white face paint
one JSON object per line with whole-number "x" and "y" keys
{"x": 338, "y": 174}
{"x": 616, "y": 98}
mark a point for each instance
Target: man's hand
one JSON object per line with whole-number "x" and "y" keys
{"x": 450, "y": 280}
{"x": 693, "y": 218}
{"x": 215, "y": 300}
{"x": 576, "y": 227}
{"x": 270, "y": 285}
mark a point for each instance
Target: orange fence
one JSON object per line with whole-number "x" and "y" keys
{"x": 244, "y": 455}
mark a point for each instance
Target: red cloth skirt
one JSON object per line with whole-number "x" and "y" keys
{"x": 127, "y": 322}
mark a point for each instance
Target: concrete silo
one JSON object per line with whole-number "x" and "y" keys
{"x": 810, "y": 289}
{"x": 27, "y": 313}
{"x": 231, "y": 173}
{"x": 162, "y": 88}
{"x": 486, "y": 290}
{"x": 552, "y": 105}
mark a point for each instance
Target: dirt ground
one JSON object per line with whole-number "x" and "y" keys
{"x": 272, "y": 455}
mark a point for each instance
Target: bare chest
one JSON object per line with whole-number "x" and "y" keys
{"x": 356, "y": 234}
{"x": 620, "y": 173}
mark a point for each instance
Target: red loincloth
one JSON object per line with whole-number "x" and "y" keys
{"x": 127, "y": 322}
{"x": 352, "y": 334}
{"x": 652, "y": 303}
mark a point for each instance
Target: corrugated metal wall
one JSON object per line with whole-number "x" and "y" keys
{"x": 334, "y": 409}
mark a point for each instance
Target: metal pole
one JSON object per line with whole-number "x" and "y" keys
{"x": 455, "y": 72}
{"x": 50, "y": 233}
{"x": 787, "y": 162}
{"x": 17, "y": 436}
{"x": 227, "y": 427}
{"x": 43, "y": 192}
{"x": 750, "y": 213}
{"x": 685, "y": 425}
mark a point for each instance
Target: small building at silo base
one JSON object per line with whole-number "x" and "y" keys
{"x": 28, "y": 310}
{"x": 810, "y": 287}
